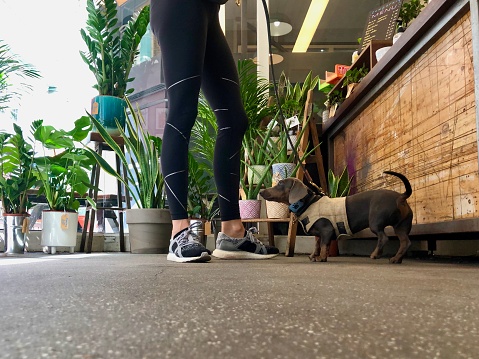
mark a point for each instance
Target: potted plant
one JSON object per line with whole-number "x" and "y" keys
{"x": 111, "y": 52}
{"x": 352, "y": 77}
{"x": 335, "y": 99}
{"x": 249, "y": 204}
{"x": 258, "y": 155}
{"x": 63, "y": 178}
{"x": 149, "y": 224}
{"x": 410, "y": 10}
{"x": 16, "y": 179}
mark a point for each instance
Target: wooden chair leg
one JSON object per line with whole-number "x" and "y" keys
{"x": 293, "y": 225}
{"x": 270, "y": 233}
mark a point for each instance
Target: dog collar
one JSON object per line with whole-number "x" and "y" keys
{"x": 300, "y": 206}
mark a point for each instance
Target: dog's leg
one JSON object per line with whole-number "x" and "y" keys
{"x": 404, "y": 243}
{"x": 382, "y": 239}
{"x": 325, "y": 243}
{"x": 314, "y": 257}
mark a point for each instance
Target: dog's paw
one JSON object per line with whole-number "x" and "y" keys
{"x": 395, "y": 260}
{"x": 317, "y": 259}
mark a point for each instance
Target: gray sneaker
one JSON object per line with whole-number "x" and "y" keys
{"x": 248, "y": 247}
{"x": 185, "y": 247}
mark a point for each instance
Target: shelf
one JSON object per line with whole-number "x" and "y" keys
{"x": 367, "y": 58}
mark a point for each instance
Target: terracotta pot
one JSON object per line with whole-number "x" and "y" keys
{"x": 250, "y": 208}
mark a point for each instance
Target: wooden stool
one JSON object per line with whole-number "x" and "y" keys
{"x": 122, "y": 192}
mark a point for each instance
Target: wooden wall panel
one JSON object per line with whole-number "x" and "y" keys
{"x": 423, "y": 125}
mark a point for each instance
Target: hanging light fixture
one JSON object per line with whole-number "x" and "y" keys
{"x": 279, "y": 28}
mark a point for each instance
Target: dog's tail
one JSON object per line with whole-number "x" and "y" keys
{"x": 403, "y": 178}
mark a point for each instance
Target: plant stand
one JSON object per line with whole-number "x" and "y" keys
{"x": 318, "y": 160}
{"x": 122, "y": 193}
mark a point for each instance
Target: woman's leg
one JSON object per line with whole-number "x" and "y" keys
{"x": 181, "y": 28}
{"x": 221, "y": 88}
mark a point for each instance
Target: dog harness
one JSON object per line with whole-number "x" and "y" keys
{"x": 333, "y": 209}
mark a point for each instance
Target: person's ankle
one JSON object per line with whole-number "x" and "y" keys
{"x": 235, "y": 234}
{"x": 233, "y": 228}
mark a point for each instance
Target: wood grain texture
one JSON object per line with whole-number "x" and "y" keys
{"x": 422, "y": 125}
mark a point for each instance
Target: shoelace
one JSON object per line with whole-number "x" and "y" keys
{"x": 185, "y": 239}
{"x": 250, "y": 234}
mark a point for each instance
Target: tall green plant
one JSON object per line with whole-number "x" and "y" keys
{"x": 339, "y": 186}
{"x": 255, "y": 91}
{"x": 11, "y": 65}
{"x": 201, "y": 199}
{"x": 16, "y": 171}
{"x": 112, "y": 50}
{"x": 63, "y": 176}
{"x": 410, "y": 10}
{"x": 145, "y": 182}
{"x": 293, "y": 97}
{"x": 202, "y": 189}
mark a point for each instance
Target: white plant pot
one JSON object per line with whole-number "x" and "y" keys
{"x": 59, "y": 230}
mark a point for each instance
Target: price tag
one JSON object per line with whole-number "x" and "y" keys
{"x": 292, "y": 122}
{"x": 64, "y": 222}
{"x": 94, "y": 108}
{"x": 208, "y": 228}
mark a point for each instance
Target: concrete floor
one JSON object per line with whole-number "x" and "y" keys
{"x": 119, "y": 305}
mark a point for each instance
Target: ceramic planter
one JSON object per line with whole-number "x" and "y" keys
{"x": 14, "y": 229}
{"x": 59, "y": 229}
{"x": 282, "y": 171}
{"x": 250, "y": 208}
{"x": 106, "y": 109}
{"x": 254, "y": 176}
{"x": 294, "y": 139}
{"x": 149, "y": 230}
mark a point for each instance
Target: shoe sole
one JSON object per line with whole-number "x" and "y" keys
{"x": 205, "y": 257}
{"x": 219, "y": 253}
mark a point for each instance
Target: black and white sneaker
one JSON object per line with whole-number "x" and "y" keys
{"x": 248, "y": 247}
{"x": 185, "y": 247}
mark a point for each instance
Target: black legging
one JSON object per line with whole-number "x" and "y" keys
{"x": 195, "y": 54}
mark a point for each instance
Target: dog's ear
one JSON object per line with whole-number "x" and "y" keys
{"x": 297, "y": 192}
